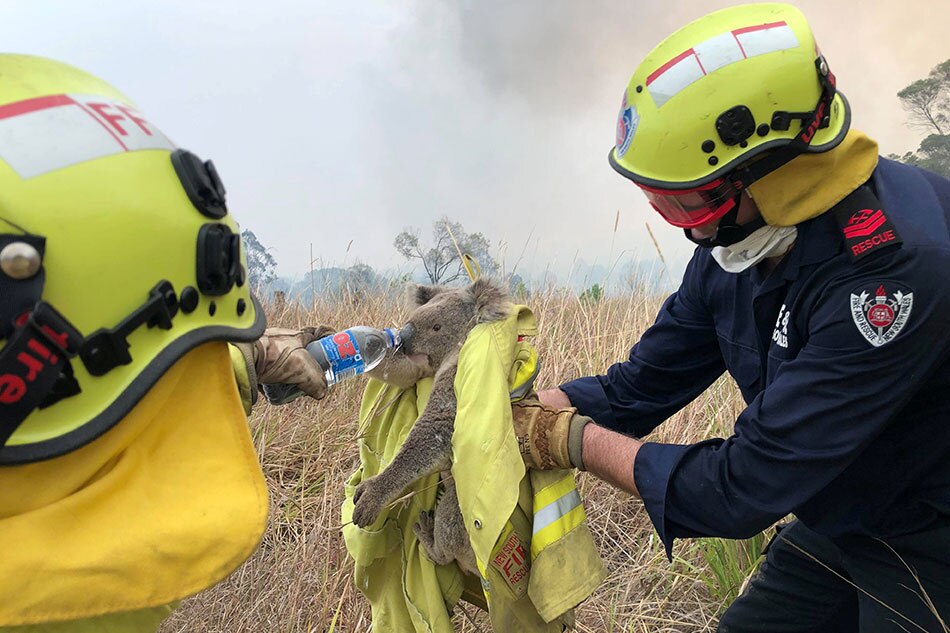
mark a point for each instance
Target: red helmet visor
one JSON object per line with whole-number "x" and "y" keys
{"x": 689, "y": 208}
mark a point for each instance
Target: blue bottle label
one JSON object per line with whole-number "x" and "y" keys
{"x": 343, "y": 354}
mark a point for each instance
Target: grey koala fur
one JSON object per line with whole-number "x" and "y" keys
{"x": 442, "y": 318}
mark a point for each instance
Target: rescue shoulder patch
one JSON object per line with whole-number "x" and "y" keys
{"x": 864, "y": 223}
{"x": 881, "y": 310}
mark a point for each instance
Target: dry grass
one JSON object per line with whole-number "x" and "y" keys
{"x": 301, "y": 579}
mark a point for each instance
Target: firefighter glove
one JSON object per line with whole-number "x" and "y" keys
{"x": 280, "y": 357}
{"x": 548, "y": 438}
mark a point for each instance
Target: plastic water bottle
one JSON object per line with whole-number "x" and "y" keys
{"x": 342, "y": 355}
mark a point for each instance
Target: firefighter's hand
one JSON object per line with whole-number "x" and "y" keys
{"x": 548, "y": 438}
{"x": 280, "y": 357}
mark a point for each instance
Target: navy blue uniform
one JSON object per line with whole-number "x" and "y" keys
{"x": 844, "y": 363}
{"x": 848, "y": 416}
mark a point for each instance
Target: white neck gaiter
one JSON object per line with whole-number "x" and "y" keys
{"x": 769, "y": 241}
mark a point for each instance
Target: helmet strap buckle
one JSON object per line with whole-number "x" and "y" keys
{"x": 33, "y": 366}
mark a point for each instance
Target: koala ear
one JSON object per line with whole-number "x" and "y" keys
{"x": 491, "y": 302}
{"x": 421, "y": 295}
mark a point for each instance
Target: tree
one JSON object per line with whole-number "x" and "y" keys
{"x": 922, "y": 101}
{"x": 517, "y": 288}
{"x": 359, "y": 280}
{"x": 441, "y": 260}
{"x": 933, "y": 155}
{"x": 399, "y": 282}
{"x": 593, "y": 294}
{"x": 928, "y": 103}
{"x": 261, "y": 265}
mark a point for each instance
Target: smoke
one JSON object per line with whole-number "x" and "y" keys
{"x": 559, "y": 57}
{"x": 340, "y": 124}
{"x": 500, "y": 114}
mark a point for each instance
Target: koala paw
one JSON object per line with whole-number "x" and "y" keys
{"x": 425, "y": 528}
{"x": 368, "y": 503}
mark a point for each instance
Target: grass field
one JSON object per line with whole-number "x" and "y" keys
{"x": 301, "y": 580}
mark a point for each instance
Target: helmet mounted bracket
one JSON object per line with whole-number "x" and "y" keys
{"x": 812, "y": 121}
{"x": 34, "y": 365}
{"x": 106, "y": 349}
{"x": 201, "y": 183}
{"x": 21, "y": 294}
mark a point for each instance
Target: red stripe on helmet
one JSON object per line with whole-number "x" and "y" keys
{"x": 760, "y": 27}
{"x": 33, "y": 105}
{"x": 665, "y": 67}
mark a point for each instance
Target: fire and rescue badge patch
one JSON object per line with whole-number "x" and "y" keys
{"x": 627, "y": 122}
{"x": 881, "y": 313}
{"x": 511, "y": 560}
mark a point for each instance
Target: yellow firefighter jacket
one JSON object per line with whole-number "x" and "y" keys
{"x": 529, "y": 532}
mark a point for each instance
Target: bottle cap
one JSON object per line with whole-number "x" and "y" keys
{"x": 392, "y": 338}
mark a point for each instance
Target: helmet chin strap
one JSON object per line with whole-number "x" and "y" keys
{"x": 729, "y": 231}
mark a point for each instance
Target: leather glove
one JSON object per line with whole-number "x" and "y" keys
{"x": 280, "y": 357}
{"x": 548, "y": 438}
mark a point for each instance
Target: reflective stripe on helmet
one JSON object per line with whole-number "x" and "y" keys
{"x": 715, "y": 53}
{"x": 48, "y": 133}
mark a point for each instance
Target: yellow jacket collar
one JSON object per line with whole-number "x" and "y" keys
{"x": 813, "y": 183}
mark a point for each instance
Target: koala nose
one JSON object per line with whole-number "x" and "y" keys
{"x": 405, "y": 335}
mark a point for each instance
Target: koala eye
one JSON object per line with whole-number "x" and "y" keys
{"x": 436, "y": 327}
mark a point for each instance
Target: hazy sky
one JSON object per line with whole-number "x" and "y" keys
{"x": 333, "y": 122}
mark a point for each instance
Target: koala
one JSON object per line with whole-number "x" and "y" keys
{"x": 436, "y": 329}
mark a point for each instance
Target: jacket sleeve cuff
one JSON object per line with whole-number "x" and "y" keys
{"x": 588, "y": 397}
{"x": 242, "y": 360}
{"x": 652, "y": 470}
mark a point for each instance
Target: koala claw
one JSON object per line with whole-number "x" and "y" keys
{"x": 424, "y": 528}
{"x": 367, "y": 503}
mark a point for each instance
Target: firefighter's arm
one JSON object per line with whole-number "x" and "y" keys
{"x": 674, "y": 361}
{"x": 278, "y": 357}
{"x": 610, "y": 456}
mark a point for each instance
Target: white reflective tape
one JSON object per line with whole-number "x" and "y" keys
{"x": 673, "y": 76}
{"x": 48, "y": 133}
{"x": 766, "y": 39}
{"x": 555, "y": 510}
{"x": 715, "y": 53}
{"x": 719, "y": 51}
{"x": 128, "y": 125}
